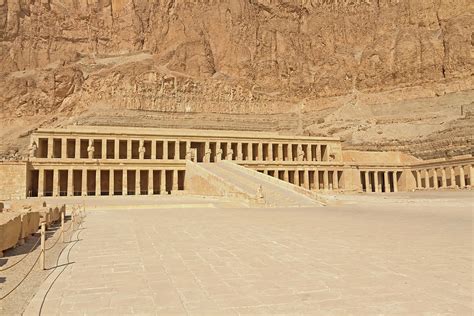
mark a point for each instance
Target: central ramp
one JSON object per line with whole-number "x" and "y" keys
{"x": 226, "y": 178}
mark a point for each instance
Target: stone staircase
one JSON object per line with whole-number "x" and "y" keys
{"x": 276, "y": 193}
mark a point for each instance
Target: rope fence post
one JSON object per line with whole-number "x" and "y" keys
{"x": 62, "y": 227}
{"x": 43, "y": 239}
{"x": 73, "y": 218}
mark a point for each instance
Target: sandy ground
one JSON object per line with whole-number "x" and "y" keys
{"x": 362, "y": 255}
{"x": 15, "y": 303}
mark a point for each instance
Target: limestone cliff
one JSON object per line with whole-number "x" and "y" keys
{"x": 360, "y": 69}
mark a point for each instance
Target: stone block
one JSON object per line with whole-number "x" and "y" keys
{"x": 10, "y": 230}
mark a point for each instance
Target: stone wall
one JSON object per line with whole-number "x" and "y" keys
{"x": 13, "y": 180}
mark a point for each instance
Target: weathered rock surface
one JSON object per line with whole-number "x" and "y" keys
{"x": 359, "y": 69}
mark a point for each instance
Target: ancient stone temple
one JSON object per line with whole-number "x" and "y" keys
{"x": 98, "y": 161}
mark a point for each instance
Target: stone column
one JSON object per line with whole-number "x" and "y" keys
{"x": 435, "y": 178}
{"x": 40, "y": 182}
{"x": 229, "y": 147}
{"x": 453, "y": 177}
{"x": 367, "y": 182}
{"x": 111, "y": 181}
{"x": 176, "y": 150}
{"x": 97, "y": 182}
{"x": 50, "y": 147}
{"x": 188, "y": 150}
{"x": 335, "y": 180}
{"x": 163, "y": 182}
{"x": 471, "y": 174}
{"x": 129, "y": 149}
{"x": 316, "y": 179}
{"x": 297, "y": 177}
{"x": 280, "y": 151}
{"x": 265, "y": 171}
{"x": 175, "y": 180}
{"x": 116, "y": 149}
{"x": 306, "y": 179}
{"x": 137, "y": 182}
{"x": 376, "y": 181}
{"x": 318, "y": 152}
{"x": 250, "y": 150}
{"x": 309, "y": 152}
{"x": 150, "y": 182}
{"x": 427, "y": 179}
{"x": 326, "y": 179}
{"x": 141, "y": 149}
{"x": 285, "y": 175}
{"x": 270, "y": 152}
{"x": 418, "y": 179}
{"x": 70, "y": 191}
{"x": 444, "y": 182}
{"x": 165, "y": 150}
{"x": 63, "y": 147}
{"x": 55, "y": 182}
{"x": 104, "y": 149}
{"x": 290, "y": 152}
{"x": 395, "y": 181}
{"x": 153, "y": 149}
{"x": 77, "y": 150}
{"x": 386, "y": 182}
{"x": 207, "y": 158}
{"x": 260, "y": 152}
{"x": 84, "y": 182}
{"x": 124, "y": 182}
{"x": 240, "y": 155}
{"x": 462, "y": 178}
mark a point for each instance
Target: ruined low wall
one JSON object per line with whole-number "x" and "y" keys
{"x": 13, "y": 180}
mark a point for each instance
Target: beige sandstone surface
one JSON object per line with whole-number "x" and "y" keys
{"x": 392, "y": 75}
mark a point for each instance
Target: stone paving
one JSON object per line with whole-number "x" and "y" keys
{"x": 394, "y": 259}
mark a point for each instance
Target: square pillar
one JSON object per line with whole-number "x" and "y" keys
{"x": 418, "y": 179}
{"x": 163, "y": 181}
{"x": 175, "y": 180}
{"x": 453, "y": 177}
{"x": 129, "y": 149}
{"x": 50, "y": 147}
{"x": 63, "y": 147}
{"x": 116, "y": 149}
{"x": 84, "y": 183}
{"x": 104, "y": 149}
{"x": 270, "y": 152}
{"x": 260, "y": 152}
{"x": 70, "y": 191}
{"x": 250, "y": 150}
{"x": 335, "y": 180}
{"x": 306, "y": 179}
{"x": 290, "y": 152}
{"x": 309, "y": 153}
{"x": 316, "y": 179}
{"x": 124, "y": 182}
{"x": 386, "y": 182}
{"x": 150, "y": 182}
{"x": 111, "y": 181}
{"x": 427, "y": 179}
{"x": 137, "y": 182}
{"x": 367, "y": 181}
{"x": 153, "y": 149}
{"x": 395, "y": 181}
{"x": 40, "y": 182}
{"x": 326, "y": 179}
{"x": 318, "y": 152}
{"x": 435, "y": 178}
{"x": 176, "y": 150}
{"x": 444, "y": 182}
{"x": 280, "y": 152}
{"x": 97, "y": 182}
{"x": 55, "y": 182}
{"x": 462, "y": 177}
{"x": 285, "y": 175}
{"x": 297, "y": 177}
{"x": 165, "y": 150}
{"x": 471, "y": 174}
{"x": 77, "y": 150}
{"x": 376, "y": 181}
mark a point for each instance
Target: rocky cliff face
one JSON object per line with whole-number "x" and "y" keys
{"x": 303, "y": 66}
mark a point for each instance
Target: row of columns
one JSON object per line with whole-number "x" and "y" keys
{"x": 111, "y": 181}
{"x": 434, "y": 173}
{"x": 271, "y": 151}
{"x": 379, "y": 181}
{"x": 312, "y": 179}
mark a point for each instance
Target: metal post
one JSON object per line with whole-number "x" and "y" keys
{"x": 43, "y": 239}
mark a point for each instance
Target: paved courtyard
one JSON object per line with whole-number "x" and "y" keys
{"x": 376, "y": 257}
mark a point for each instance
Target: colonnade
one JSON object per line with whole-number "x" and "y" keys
{"x": 310, "y": 179}
{"x": 176, "y": 149}
{"x": 380, "y": 180}
{"x": 104, "y": 181}
{"x": 444, "y": 177}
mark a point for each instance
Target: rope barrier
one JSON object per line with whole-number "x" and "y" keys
{"x": 24, "y": 257}
{"x": 24, "y": 278}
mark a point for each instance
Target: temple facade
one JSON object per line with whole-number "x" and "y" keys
{"x": 103, "y": 161}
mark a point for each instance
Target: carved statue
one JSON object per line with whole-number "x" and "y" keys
{"x": 207, "y": 154}
{"x": 260, "y": 196}
{"x": 189, "y": 155}
{"x": 230, "y": 154}
{"x": 300, "y": 153}
{"x": 90, "y": 150}
{"x": 141, "y": 151}
{"x": 33, "y": 148}
{"x": 219, "y": 154}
